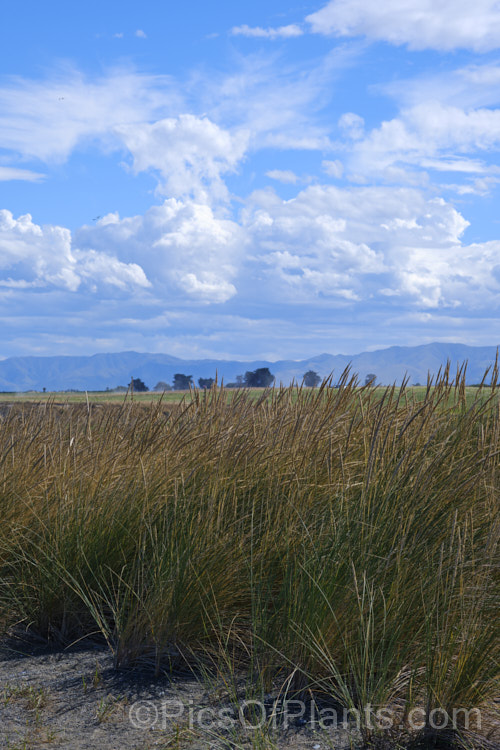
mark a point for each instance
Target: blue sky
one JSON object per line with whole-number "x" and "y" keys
{"x": 246, "y": 180}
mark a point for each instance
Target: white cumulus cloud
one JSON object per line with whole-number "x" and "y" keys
{"x": 360, "y": 245}
{"x": 420, "y": 24}
{"x": 35, "y": 256}
{"x": 208, "y": 287}
{"x": 186, "y": 250}
{"x": 428, "y": 132}
{"x": 191, "y": 154}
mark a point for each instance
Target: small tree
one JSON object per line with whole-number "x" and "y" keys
{"x": 205, "y": 382}
{"x": 311, "y": 379}
{"x": 138, "y": 385}
{"x": 260, "y": 378}
{"x": 162, "y": 386}
{"x": 182, "y": 382}
{"x": 370, "y": 379}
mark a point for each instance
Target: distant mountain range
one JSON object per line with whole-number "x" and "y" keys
{"x": 102, "y": 371}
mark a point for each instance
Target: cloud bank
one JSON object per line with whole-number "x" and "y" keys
{"x": 284, "y": 214}
{"x": 420, "y": 24}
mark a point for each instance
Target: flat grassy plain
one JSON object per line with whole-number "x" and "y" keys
{"x": 174, "y": 397}
{"x": 340, "y": 543}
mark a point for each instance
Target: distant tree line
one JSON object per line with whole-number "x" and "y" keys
{"x": 262, "y": 377}
{"x": 181, "y": 382}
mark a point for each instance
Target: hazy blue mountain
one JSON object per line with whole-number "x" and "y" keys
{"x": 102, "y": 371}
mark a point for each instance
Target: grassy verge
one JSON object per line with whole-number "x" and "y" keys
{"x": 337, "y": 543}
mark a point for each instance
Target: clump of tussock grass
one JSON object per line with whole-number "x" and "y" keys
{"x": 341, "y": 541}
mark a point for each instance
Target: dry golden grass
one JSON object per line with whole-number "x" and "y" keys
{"x": 347, "y": 537}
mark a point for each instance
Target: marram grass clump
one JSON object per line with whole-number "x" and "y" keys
{"x": 342, "y": 541}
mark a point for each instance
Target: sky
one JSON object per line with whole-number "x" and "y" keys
{"x": 248, "y": 180}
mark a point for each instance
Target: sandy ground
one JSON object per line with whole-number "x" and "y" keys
{"x": 76, "y": 700}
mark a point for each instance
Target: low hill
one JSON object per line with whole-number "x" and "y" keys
{"x": 102, "y": 371}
